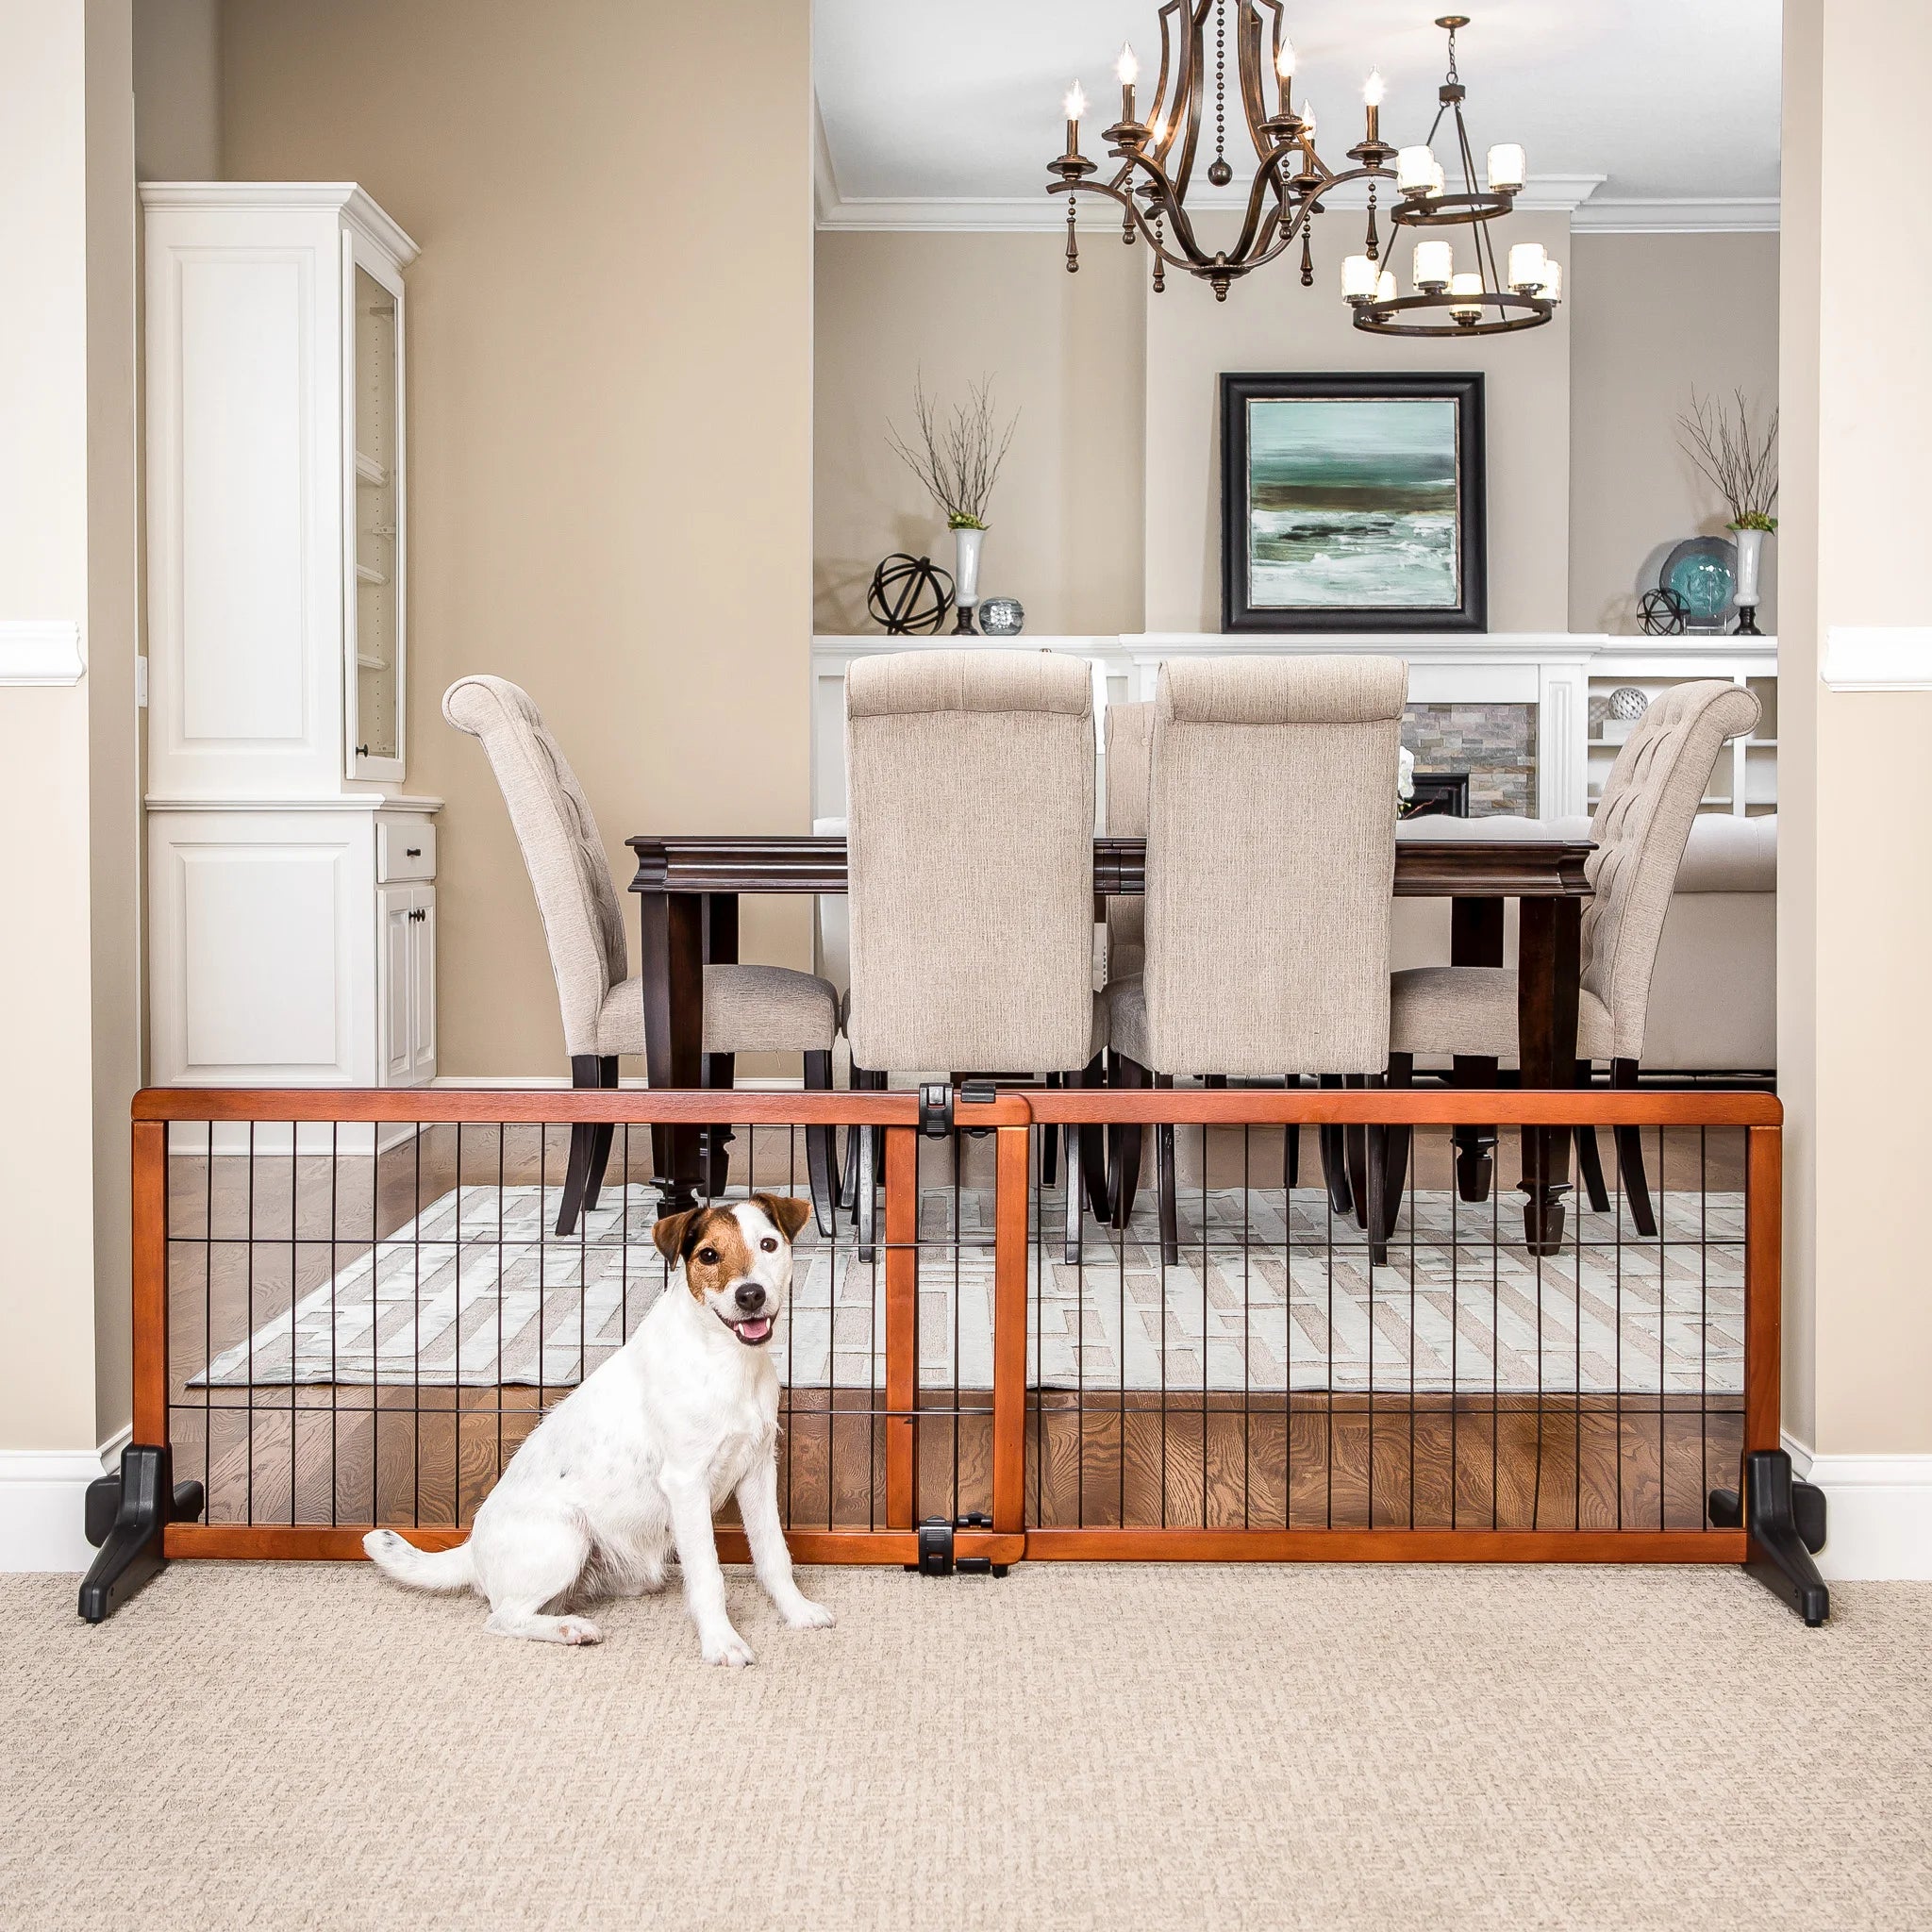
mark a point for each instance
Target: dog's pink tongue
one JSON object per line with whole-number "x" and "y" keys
{"x": 755, "y": 1330}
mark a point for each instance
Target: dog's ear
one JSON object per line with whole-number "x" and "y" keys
{"x": 667, "y": 1236}
{"x": 787, "y": 1210}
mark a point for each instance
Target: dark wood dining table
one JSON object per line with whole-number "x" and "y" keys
{"x": 688, "y": 887}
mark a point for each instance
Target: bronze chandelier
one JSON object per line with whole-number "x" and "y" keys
{"x": 1157, "y": 157}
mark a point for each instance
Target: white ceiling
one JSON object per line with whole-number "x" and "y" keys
{"x": 1671, "y": 101}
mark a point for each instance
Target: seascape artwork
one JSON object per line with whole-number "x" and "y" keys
{"x": 1353, "y": 504}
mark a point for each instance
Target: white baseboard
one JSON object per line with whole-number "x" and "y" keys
{"x": 41, "y": 1500}
{"x": 1878, "y": 1513}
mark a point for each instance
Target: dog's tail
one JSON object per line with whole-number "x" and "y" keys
{"x": 420, "y": 1569}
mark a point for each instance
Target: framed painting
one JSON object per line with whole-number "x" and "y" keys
{"x": 1352, "y": 503}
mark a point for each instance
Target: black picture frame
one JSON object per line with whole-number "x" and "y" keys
{"x": 1240, "y": 614}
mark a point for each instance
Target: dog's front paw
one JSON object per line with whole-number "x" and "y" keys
{"x": 727, "y": 1648}
{"x": 577, "y": 1630}
{"x": 807, "y": 1615}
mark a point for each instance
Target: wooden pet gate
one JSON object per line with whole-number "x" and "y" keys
{"x": 1281, "y": 1323}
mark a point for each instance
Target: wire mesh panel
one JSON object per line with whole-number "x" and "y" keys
{"x": 1241, "y": 1358}
{"x": 365, "y": 1317}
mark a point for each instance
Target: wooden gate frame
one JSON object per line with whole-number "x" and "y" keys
{"x": 157, "y": 1108}
{"x": 1011, "y": 1116}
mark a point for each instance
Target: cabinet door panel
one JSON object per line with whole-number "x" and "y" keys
{"x": 423, "y": 988}
{"x": 396, "y": 977}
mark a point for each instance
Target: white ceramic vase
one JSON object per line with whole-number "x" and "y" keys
{"x": 966, "y": 575}
{"x": 1750, "y": 557}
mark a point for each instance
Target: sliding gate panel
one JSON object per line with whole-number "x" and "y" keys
{"x": 353, "y": 1308}
{"x": 1234, "y": 1372}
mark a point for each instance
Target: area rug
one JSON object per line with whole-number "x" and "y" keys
{"x": 1271, "y": 1293}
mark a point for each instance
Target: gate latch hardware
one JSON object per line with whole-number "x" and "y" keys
{"x": 936, "y": 1106}
{"x": 936, "y": 1557}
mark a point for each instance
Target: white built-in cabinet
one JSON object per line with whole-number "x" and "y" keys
{"x": 291, "y": 881}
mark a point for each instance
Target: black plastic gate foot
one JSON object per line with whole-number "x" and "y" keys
{"x": 126, "y": 1516}
{"x": 1786, "y": 1521}
{"x": 935, "y": 1554}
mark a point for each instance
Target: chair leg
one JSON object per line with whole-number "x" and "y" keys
{"x": 1396, "y": 1154}
{"x": 1590, "y": 1164}
{"x": 1091, "y": 1140}
{"x": 1291, "y": 1143}
{"x": 1164, "y": 1184}
{"x": 720, "y": 1075}
{"x": 586, "y": 1070}
{"x": 1049, "y": 1148}
{"x": 602, "y": 1135}
{"x": 1630, "y": 1158}
{"x": 1373, "y": 1187}
{"x": 1124, "y": 1141}
{"x": 1475, "y": 1147}
{"x": 1355, "y": 1141}
{"x": 821, "y": 1148}
{"x": 1335, "y": 1159}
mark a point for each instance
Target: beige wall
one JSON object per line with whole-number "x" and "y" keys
{"x": 1654, "y": 317}
{"x": 1266, "y": 325}
{"x": 1855, "y": 925}
{"x": 177, "y": 89}
{"x": 609, "y": 415}
{"x": 69, "y": 994}
{"x": 1065, "y": 351}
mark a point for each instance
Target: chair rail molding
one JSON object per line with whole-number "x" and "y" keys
{"x": 41, "y": 651}
{"x": 1891, "y": 656}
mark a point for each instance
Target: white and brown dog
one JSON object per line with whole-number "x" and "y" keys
{"x": 629, "y": 1467}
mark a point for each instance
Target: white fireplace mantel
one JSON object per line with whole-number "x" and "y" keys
{"x": 1550, "y": 670}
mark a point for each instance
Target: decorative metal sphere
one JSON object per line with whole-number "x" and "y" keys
{"x": 1661, "y": 612}
{"x": 910, "y": 595}
{"x": 1219, "y": 171}
{"x": 1002, "y": 617}
{"x": 1628, "y": 703}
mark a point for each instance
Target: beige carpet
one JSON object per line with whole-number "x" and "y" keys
{"x": 1069, "y": 1747}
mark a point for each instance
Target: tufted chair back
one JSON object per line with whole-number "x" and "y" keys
{"x": 1270, "y": 857}
{"x": 1639, "y": 827}
{"x": 583, "y": 923}
{"x": 970, "y": 782}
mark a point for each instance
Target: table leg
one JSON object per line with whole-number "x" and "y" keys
{"x": 721, "y": 949}
{"x": 1548, "y": 963}
{"x": 674, "y": 989}
{"x": 1476, "y": 939}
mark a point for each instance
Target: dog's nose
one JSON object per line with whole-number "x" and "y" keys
{"x": 751, "y": 1297}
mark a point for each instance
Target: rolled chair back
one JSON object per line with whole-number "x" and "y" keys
{"x": 570, "y": 873}
{"x": 1641, "y": 824}
{"x": 1271, "y": 860}
{"x": 970, "y": 788}
{"x": 1129, "y": 764}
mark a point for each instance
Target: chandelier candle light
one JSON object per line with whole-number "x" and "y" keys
{"x": 1157, "y": 159}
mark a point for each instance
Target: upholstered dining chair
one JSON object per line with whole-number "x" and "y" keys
{"x": 1271, "y": 861}
{"x": 970, "y": 876}
{"x": 747, "y": 1009}
{"x": 1640, "y": 828}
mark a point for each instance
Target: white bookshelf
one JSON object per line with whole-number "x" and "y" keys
{"x": 1745, "y": 781}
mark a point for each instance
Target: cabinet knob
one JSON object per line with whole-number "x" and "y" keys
{"x": 412, "y": 852}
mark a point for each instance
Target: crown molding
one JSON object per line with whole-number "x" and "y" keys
{"x": 39, "y": 651}
{"x": 1737, "y": 215}
{"x": 352, "y": 202}
{"x": 1042, "y": 214}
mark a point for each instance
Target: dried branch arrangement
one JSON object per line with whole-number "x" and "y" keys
{"x": 1718, "y": 438}
{"x": 957, "y": 456}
